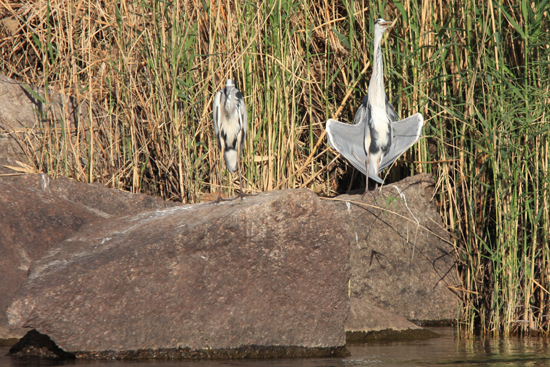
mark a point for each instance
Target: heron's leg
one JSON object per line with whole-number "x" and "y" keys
{"x": 219, "y": 199}
{"x": 241, "y": 194}
{"x": 239, "y": 152}
{"x": 375, "y": 191}
{"x": 366, "y": 177}
{"x": 219, "y": 186}
{"x": 240, "y": 180}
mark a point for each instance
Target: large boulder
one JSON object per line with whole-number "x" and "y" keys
{"x": 249, "y": 276}
{"x": 37, "y": 213}
{"x": 402, "y": 259}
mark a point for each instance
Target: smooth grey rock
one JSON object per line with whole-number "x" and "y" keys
{"x": 269, "y": 270}
{"x": 37, "y": 213}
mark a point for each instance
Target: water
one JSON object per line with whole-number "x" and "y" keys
{"x": 444, "y": 351}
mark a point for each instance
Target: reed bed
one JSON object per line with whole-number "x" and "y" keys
{"x": 149, "y": 69}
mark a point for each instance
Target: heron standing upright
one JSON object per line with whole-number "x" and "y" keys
{"x": 375, "y": 139}
{"x": 230, "y": 122}
{"x": 378, "y": 136}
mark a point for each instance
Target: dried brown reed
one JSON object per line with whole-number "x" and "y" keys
{"x": 477, "y": 71}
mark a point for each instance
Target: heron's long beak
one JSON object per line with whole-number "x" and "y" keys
{"x": 386, "y": 24}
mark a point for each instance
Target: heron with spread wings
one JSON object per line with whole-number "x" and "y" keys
{"x": 376, "y": 138}
{"x": 230, "y": 122}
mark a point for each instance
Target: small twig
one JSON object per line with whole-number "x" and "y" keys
{"x": 391, "y": 212}
{"x": 541, "y": 287}
{"x": 406, "y": 205}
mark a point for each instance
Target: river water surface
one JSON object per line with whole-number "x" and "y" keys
{"x": 448, "y": 350}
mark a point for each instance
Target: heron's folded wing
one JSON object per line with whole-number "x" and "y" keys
{"x": 243, "y": 117}
{"x": 405, "y": 133}
{"x": 216, "y": 115}
{"x": 348, "y": 140}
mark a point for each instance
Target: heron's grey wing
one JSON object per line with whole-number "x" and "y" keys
{"x": 363, "y": 112}
{"x": 243, "y": 116}
{"x": 216, "y": 116}
{"x": 348, "y": 140}
{"x": 390, "y": 110}
{"x": 405, "y": 133}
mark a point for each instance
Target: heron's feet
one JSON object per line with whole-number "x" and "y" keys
{"x": 367, "y": 191}
{"x": 242, "y": 195}
{"x": 220, "y": 198}
{"x": 238, "y": 196}
{"x": 376, "y": 193}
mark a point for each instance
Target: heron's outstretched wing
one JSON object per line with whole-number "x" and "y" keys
{"x": 216, "y": 116}
{"x": 348, "y": 139}
{"x": 243, "y": 116}
{"x": 405, "y": 133}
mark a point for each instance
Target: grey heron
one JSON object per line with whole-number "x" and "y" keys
{"x": 230, "y": 122}
{"x": 375, "y": 139}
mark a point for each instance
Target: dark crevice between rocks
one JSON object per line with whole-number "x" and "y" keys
{"x": 35, "y": 344}
{"x": 389, "y": 335}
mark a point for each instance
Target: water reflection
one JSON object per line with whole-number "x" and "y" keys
{"x": 444, "y": 351}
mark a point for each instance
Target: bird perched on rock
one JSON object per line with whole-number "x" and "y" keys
{"x": 375, "y": 139}
{"x": 230, "y": 123}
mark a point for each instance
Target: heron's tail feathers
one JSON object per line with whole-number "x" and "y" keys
{"x": 230, "y": 157}
{"x": 373, "y": 174}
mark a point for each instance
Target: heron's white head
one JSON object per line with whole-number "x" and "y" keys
{"x": 382, "y": 25}
{"x": 229, "y": 83}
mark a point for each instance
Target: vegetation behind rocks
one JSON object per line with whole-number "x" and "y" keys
{"x": 477, "y": 71}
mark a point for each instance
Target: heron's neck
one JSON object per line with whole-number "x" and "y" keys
{"x": 229, "y": 104}
{"x": 377, "y": 94}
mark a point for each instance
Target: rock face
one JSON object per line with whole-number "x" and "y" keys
{"x": 401, "y": 257}
{"x": 269, "y": 270}
{"x": 37, "y": 213}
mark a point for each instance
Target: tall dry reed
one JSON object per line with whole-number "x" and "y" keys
{"x": 479, "y": 72}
